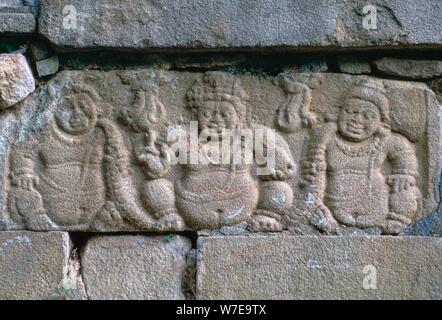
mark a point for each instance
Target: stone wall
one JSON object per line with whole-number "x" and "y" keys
{"x": 220, "y": 149}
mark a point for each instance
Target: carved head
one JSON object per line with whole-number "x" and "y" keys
{"x": 364, "y": 112}
{"x": 218, "y": 102}
{"x": 77, "y": 112}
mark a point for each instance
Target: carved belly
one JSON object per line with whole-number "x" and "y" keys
{"x": 205, "y": 203}
{"x": 71, "y": 195}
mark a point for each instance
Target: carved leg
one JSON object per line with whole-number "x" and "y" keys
{"x": 274, "y": 198}
{"x": 158, "y": 197}
{"x": 26, "y": 206}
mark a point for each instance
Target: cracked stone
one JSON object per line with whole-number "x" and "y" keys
{"x": 35, "y": 265}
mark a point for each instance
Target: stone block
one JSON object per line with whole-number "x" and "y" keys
{"x": 34, "y": 265}
{"x": 47, "y": 66}
{"x": 135, "y": 267}
{"x": 352, "y": 65}
{"x": 287, "y": 267}
{"x": 212, "y": 24}
{"x": 16, "y": 79}
{"x": 415, "y": 69}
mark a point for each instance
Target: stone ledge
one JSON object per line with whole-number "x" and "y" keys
{"x": 288, "y": 267}
{"x": 16, "y": 22}
{"x": 237, "y": 24}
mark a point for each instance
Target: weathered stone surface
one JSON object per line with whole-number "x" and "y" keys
{"x": 430, "y": 226}
{"x": 109, "y": 151}
{"x": 416, "y": 69}
{"x": 203, "y": 24}
{"x": 241, "y": 267}
{"x": 16, "y": 18}
{"x": 16, "y": 79}
{"x": 135, "y": 267}
{"x": 436, "y": 86}
{"x": 10, "y": 3}
{"x": 34, "y": 265}
{"x": 352, "y": 65}
{"x": 39, "y": 51}
{"x": 47, "y": 66}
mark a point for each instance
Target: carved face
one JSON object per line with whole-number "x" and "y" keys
{"x": 217, "y": 115}
{"x": 358, "y": 120}
{"x": 76, "y": 114}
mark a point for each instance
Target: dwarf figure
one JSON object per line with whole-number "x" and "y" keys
{"x": 359, "y": 171}
{"x": 212, "y": 194}
{"x": 57, "y": 178}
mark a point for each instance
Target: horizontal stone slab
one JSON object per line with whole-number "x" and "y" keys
{"x": 35, "y": 265}
{"x": 203, "y": 24}
{"x": 287, "y": 267}
{"x": 407, "y": 68}
{"x": 135, "y": 267}
{"x": 113, "y": 151}
{"x": 17, "y": 22}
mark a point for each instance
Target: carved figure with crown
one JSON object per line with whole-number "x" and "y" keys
{"x": 211, "y": 194}
{"x": 358, "y": 171}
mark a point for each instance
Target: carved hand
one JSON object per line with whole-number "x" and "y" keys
{"x": 404, "y": 198}
{"x": 400, "y": 182}
{"x": 25, "y": 180}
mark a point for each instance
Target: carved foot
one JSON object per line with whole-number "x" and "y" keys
{"x": 171, "y": 221}
{"x": 323, "y": 220}
{"x": 393, "y": 227}
{"x": 262, "y": 222}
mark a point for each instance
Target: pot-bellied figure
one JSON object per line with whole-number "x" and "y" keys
{"x": 361, "y": 171}
{"x": 57, "y": 177}
{"x": 212, "y": 193}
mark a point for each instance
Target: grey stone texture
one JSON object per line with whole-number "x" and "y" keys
{"x": 352, "y": 65}
{"x": 16, "y": 18}
{"x": 211, "y": 24}
{"x": 47, "y": 66}
{"x": 135, "y": 267}
{"x": 16, "y": 79}
{"x": 287, "y": 267}
{"x": 35, "y": 265}
{"x": 39, "y": 51}
{"x": 415, "y": 69}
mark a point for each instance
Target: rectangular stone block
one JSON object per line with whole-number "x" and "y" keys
{"x": 17, "y": 22}
{"x": 115, "y": 151}
{"x": 211, "y": 24}
{"x": 33, "y": 265}
{"x": 288, "y": 267}
{"x": 135, "y": 267}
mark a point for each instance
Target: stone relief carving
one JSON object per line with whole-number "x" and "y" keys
{"x": 347, "y": 153}
{"x": 344, "y": 167}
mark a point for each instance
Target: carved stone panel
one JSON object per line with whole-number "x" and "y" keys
{"x": 158, "y": 150}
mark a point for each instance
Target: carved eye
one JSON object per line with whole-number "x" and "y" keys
{"x": 206, "y": 114}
